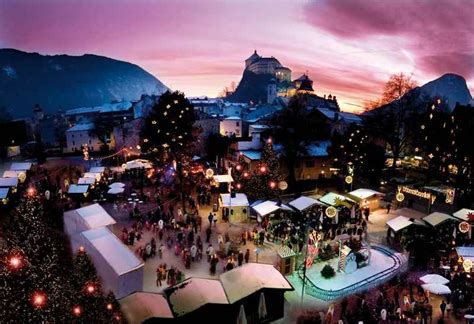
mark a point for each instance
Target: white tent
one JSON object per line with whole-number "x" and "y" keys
{"x": 115, "y": 191}
{"x": 94, "y": 175}
{"x": 20, "y": 166}
{"x": 194, "y": 293}
{"x": 86, "y": 181}
{"x": 98, "y": 169}
{"x": 77, "y": 189}
{"x": 240, "y": 200}
{"x": 120, "y": 270}
{"x": 11, "y": 174}
{"x": 437, "y": 289}
{"x": 399, "y": 223}
{"x": 250, "y": 278}
{"x": 117, "y": 185}
{"x": 434, "y": 279}
{"x": 304, "y": 202}
{"x": 362, "y": 193}
{"x": 137, "y": 164}
{"x": 140, "y": 306}
{"x": 86, "y": 218}
{"x": 266, "y": 207}
{"x": 436, "y": 218}
{"x": 8, "y": 182}
{"x": 223, "y": 178}
{"x": 331, "y": 198}
{"x": 461, "y": 214}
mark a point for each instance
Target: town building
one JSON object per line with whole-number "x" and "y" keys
{"x": 267, "y": 65}
{"x": 231, "y": 126}
{"x": 82, "y": 135}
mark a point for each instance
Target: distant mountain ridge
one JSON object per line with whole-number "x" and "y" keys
{"x": 66, "y": 82}
{"x": 451, "y": 87}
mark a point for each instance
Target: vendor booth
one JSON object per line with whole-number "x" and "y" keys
{"x": 286, "y": 260}
{"x": 21, "y": 166}
{"x": 20, "y": 175}
{"x": 234, "y": 207}
{"x": 436, "y": 218}
{"x": 4, "y": 195}
{"x": 95, "y": 175}
{"x": 86, "y": 181}
{"x": 97, "y": 169}
{"x": 302, "y": 203}
{"x": 83, "y": 219}
{"x": 76, "y": 190}
{"x": 141, "y": 306}
{"x": 137, "y": 164}
{"x": 118, "y": 267}
{"x": 266, "y": 208}
{"x": 11, "y": 183}
{"x": 366, "y": 198}
{"x": 465, "y": 215}
{"x": 223, "y": 182}
{"x": 334, "y": 199}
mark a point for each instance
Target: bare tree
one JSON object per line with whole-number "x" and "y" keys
{"x": 395, "y": 88}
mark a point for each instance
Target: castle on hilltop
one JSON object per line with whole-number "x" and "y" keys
{"x": 267, "y": 65}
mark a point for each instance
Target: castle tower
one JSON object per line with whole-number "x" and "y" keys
{"x": 271, "y": 91}
{"x": 253, "y": 58}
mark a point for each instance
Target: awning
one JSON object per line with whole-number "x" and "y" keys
{"x": 436, "y": 218}
{"x": 140, "y": 306}
{"x": 304, "y": 202}
{"x": 265, "y": 208}
{"x": 399, "y": 223}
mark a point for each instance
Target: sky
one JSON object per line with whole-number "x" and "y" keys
{"x": 348, "y": 47}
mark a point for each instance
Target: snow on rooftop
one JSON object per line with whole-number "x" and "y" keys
{"x": 8, "y": 182}
{"x": 240, "y": 200}
{"x": 81, "y": 127}
{"x": 304, "y": 202}
{"x": 108, "y": 107}
{"x": 86, "y": 181}
{"x": 266, "y": 207}
{"x": 364, "y": 193}
{"x": 141, "y": 306}
{"x": 78, "y": 189}
{"x": 250, "y": 278}
{"x": 317, "y": 149}
{"x": 436, "y": 218}
{"x": 194, "y": 293}
{"x": 252, "y": 154}
{"x": 117, "y": 255}
{"x": 462, "y": 214}
{"x": 85, "y": 218}
{"x": 348, "y": 117}
{"x": 399, "y": 222}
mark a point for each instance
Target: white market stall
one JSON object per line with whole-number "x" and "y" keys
{"x": 21, "y": 175}
{"x": 86, "y": 181}
{"x": 140, "y": 306}
{"x": 334, "y": 199}
{"x": 75, "y": 189}
{"x": 9, "y": 183}
{"x": 366, "y": 198}
{"x": 222, "y": 181}
{"x": 304, "y": 202}
{"x": 97, "y": 169}
{"x": 436, "y": 218}
{"x": 398, "y": 223}
{"x": 120, "y": 270}
{"x": 94, "y": 175}
{"x": 137, "y": 164}
{"x": 21, "y": 166}
{"x": 463, "y": 214}
{"x": 83, "y": 219}
{"x": 116, "y": 191}
{"x": 234, "y": 208}
{"x": 265, "y": 208}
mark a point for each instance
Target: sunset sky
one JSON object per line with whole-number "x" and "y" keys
{"x": 348, "y": 47}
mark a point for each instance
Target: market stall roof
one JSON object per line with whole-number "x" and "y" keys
{"x": 285, "y": 252}
{"x": 333, "y": 198}
{"x": 21, "y": 166}
{"x": 117, "y": 255}
{"x": 85, "y": 218}
{"x": 436, "y": 218}
{"x": 91, "y": 175}
{"x": 437, "y": 289}
{"x": 250, "y": 278}
{"x": 399, "y": 223}
{"x": 141, "y": 306}
{"x": 117, "y": 185}
{"x": 8, "y": 182}
{"x": 115, "y": 191}
{"x": 138, "y": 164}
{"x": 240, "y": 200}
{"x": 11, "y": 174}
{"x": 266, "y": 207}
{"x": 463, "y": 214}
{"x": 194, "y": 293}
{"x": 77, "y": 189}
{"x": 363, "y": 193}
{"x": 97, "y": 169}
{"x": 86, "y": 181}
{"x": 466, "y": 252}
{"x": 221, "y": 178}
{"x": 4, "y": 193}
{"x": 304, "y": 202}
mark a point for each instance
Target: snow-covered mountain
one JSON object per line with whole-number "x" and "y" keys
{"x": 451, "y": 87}
{"x": 63, "y": 81}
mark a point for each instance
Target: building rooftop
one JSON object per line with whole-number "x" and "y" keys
{"x": 81, "y": 127}
{"x": 108, "y": 107}
{"x": 348, "y": 117}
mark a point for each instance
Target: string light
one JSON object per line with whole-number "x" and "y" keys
{"x": 77, "y": 311}
{"x": 39, "y": 299}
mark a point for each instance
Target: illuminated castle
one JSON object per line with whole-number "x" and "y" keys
{"x": 267, "y": 65}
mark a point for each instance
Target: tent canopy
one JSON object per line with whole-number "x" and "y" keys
{"x": 94, "y": 175}
{"x": 240, "y": 200}
{"x": 399, "y": 223}
{"x": 304, "y": 202}
{"x": 466, "y": 252}
{"x": 332, "y": 199}
{"x": 461, "y": 214}
{"x": 141, "y": 306}
{"x": 97, "y": 169}
{"x": 86, "y": 218}
{"x": 250, "y": 278}
{"x": 436, "y": 218}
{"x": 437, "y": 289}
{"x": 77, "y": 189}
{"x": 4, "y": 193}
{"x": 115, "y": 253}
{"x": 11, "y": 174}
{"x": 194, "y": 293}
{"x": 362, "y": 193}
{"x": 21, "y": 166}
{"x": 115, "y": 191}
{"x": 223, "y": 178}
{"x": 117, "y": 185}
{"x": 87, "y": 181}
{"x": 434, "y": 279}
{"x": 138, "y": 164}
{"x": 8, "y": 182}
{"x": 266, "y": 207}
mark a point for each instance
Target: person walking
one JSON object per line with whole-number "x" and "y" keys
{"x": 209, "y": 252}
{"x": 247, "y": 256}
{"x": 389, "y": 206}
{"x": 210, "y": 218}
{"x": 442, "y": 306}
{"x": 244, "y": 237}
{"x": 193, "y": 252}
{"x": 208, "y": 234}
{"x": 240, "y": 258}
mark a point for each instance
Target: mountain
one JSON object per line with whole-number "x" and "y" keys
{"x": 63, "y": 81}
{"x": 451, "y": 87}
